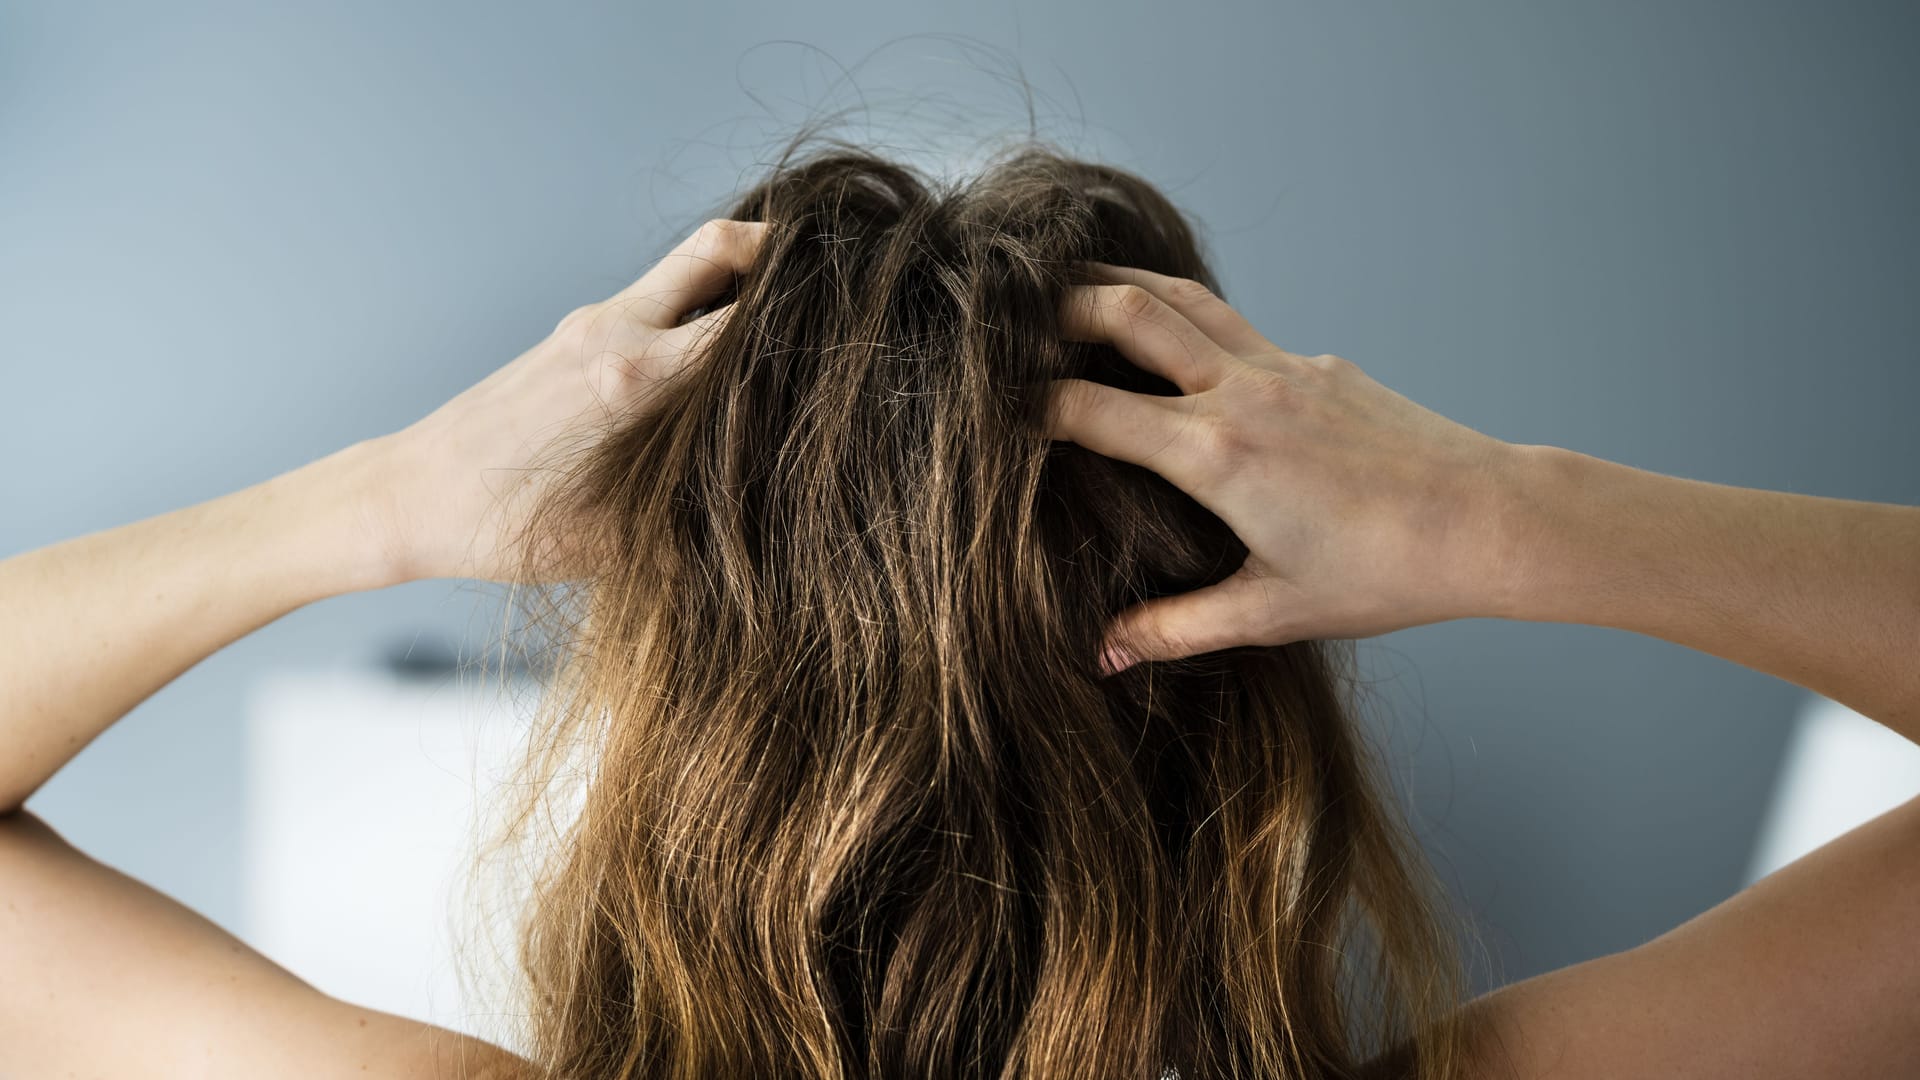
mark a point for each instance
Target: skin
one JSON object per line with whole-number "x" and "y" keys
{"x": 1363, "y": 512}
{"x": 106, "y": 977}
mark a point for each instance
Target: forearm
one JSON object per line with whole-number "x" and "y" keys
{"x": 1821, "y": 592}
{"x": 96, "y": 624}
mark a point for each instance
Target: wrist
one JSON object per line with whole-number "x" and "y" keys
{"x": 346, "y": 501}
{"x": 1527, "y": 515}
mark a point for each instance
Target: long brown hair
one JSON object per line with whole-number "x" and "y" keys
{"x": 850, "y": 796}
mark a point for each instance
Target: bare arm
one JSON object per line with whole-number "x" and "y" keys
{"x": 1821, "y": 592}
{"x": 102, "y": 976}
{"x": 98, "y": 623}
{"x": 1363, "y": 513}
{"x": 106, "y": 977}
{"x": 1812, "y": 971}
{"x": 1815, "y": 969}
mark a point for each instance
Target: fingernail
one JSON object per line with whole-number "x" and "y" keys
{"x": 1115, "y": 659}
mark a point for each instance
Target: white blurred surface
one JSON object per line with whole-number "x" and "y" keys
{"x": 363, "y": 790}
{"x": 361, "y": 810}
{"x": 1842, "y": 769}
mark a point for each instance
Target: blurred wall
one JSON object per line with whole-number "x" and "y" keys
{"x": 1682, "y": 236}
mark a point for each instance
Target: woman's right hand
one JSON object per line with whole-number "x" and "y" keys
{"x": 1362, "y": 511}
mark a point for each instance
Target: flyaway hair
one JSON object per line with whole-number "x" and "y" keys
{"x": 853, "y": 798}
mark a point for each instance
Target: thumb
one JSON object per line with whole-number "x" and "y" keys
{"x": 1218, "y": 616}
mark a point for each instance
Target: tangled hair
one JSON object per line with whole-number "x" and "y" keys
{"x": 854, "y": 799}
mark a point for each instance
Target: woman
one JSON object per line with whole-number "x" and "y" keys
{"x": 957, "y": 593}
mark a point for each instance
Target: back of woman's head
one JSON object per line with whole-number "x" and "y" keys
{"x": 859, "y": 802}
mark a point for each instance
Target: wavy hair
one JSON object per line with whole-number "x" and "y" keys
{"x": 850, "y": 796}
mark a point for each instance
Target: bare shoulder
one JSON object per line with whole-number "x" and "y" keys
{"x": 399, "y": 1048}
{"x": 107, "y": 977}
{"x": 1811, "y": 971}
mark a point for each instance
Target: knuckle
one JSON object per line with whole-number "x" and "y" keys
{"x": 1208, "y": 471}
{"x": 1217, "y": 441}
{"x": 713, "y": 235}
{"x": 1190, "y": 291}
{"x": 727, "y": 236}
{"x": 1134, "y": 301}
{"x": 1272, "y": 390}
{"x": 1069, "y": 402}
{"x": 1261, "y": 399}
{"x": 575, "y": 321}
{"x": 1233, "y": 441}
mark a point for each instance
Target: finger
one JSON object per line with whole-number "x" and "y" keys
{"x": 695, "y": 272}
{"x": 1218, "y": 616}
{"x": 1202, "y": 306}
{"x": 1140, "y": 428}
{"x": 1146, "y": 331}
{"x": 682, "y": 342}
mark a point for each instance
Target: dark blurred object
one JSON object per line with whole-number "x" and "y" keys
{"x": 426, "y": 655}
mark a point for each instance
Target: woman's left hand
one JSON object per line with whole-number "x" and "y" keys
{"x": 458, "y": 484}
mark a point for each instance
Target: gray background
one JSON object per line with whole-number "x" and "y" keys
{"x": 1678, "y": 235}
